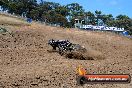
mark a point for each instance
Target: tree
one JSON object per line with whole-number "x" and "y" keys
{"x": 108, "y": 19}
{"x": 121, "y": 17}
{"x": 46, "y": 8}
{"x": 98, "y": 16}
{"x": 19, "y": 6}
{"x": 75, "y": 11}
{"x": 29, "y": 5}
{"x": 4, "y": 4}
{"x": 89, "y": 18}
{"x": 34, "y": 14}
{"x": 62, "y": 10}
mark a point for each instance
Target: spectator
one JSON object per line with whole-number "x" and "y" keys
{"x": 29, "y": 20}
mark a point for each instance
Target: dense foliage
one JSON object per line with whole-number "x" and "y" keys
{"x": 64, "y": 15}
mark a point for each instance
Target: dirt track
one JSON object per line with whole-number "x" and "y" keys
{"x": 25, "y": 62}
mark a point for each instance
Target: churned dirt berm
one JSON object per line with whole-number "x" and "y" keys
{"x": 25, "y": 62}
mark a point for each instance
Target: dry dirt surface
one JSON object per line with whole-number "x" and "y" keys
{"x": 26, "y": 63}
